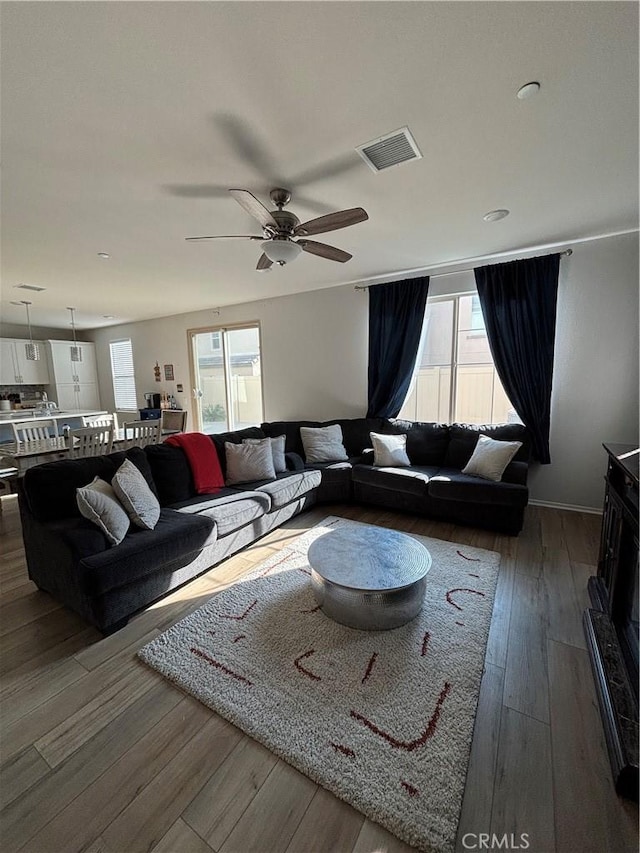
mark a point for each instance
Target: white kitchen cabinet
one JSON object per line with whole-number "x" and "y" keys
{"x": 74, "y": 384}
{"x": 17, "y": 369}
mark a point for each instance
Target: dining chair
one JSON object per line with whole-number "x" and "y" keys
{"x": 140, "y": 433}
{"x": 38, "y": 429}
{"x": 101, "y": 420}
{"x": 173, "y": 420}
{"x": 90, "y": 441}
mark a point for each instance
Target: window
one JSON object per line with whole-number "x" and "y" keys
{"x": 456, "y": 379}
{"x": 227, "y": 378}
{"x": 124, "y": 380}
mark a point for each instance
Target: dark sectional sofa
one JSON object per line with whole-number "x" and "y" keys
{"x": 70, "y": 557}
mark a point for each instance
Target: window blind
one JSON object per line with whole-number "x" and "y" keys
{"x": 124, "y": 381}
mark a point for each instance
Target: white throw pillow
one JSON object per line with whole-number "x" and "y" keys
{"x": 323, "y": 444}
{"x": 491, "y": 457}
{"x": 98, "y": 503}
{"x": 389, "y": 451}
{"x": 249, "y": 462}
{"x": 277, "y": 451}
{"x": 133, "y": 492}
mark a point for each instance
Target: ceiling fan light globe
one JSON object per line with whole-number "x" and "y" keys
{"x": 281, "y": 251}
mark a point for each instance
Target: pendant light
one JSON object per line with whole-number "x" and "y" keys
{"x": 76, "y": 351}
{"x": 32, "y": 350}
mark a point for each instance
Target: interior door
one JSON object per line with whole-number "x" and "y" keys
{"x": 227, "y": 378}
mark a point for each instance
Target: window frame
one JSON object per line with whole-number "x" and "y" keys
{"x": 454, "y": 363}
{"x": 124, "y": 376}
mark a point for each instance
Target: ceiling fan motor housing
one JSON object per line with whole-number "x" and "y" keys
{"x": 287, "y": 222}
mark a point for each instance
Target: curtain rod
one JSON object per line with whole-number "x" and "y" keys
{"x": 564, "y": 254}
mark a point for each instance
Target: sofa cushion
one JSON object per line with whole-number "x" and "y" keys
{"x": 143, "y": 552}
{"x": 427, "y": 443}
{"x": 230, "y": 509}
{"x": 235, "y": 437}
{"x": 413, "y": 480}
{"x": 50, "y": 489}
{"x": 464, "y": 437}
{"x": 450, "y": 484}
{"x": 491, "y": 457}
{"x": 323, "y": 444}
{"x": 249, "y": 462}
{"x": 355, "y": 432}
{"x": 99, "y": 504}
{"x": 277, "y": 451}
{"x": 133, "y": 492}
{"x": 390, "y": 451}
{"x": 171, "y": 473}
{"x": 290, "y": 486}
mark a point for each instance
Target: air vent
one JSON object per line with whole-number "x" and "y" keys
{"x": 390, "y": 150}
{"x": 33, "y": 287}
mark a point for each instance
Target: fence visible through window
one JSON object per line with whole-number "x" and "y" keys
{"x": 456, "y": 379}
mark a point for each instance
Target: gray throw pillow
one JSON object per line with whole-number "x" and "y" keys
{"x": 389, "y": 451}
{"x": 249, "y": 462}
{"x": 323, "y": 444}
{"x": 277, "y": 451}
{"x": 491, "y": 457}
{"x": 133, "y": 492}
{"x": 98, "y": 503}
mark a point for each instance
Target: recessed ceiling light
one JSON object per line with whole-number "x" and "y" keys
{"x": 495, "y": 215}
{"x": 109, "y": 316}
{"x": 528, "y": 90}
{"x": 104, "y": 255}
{"x": 35, "y": 287}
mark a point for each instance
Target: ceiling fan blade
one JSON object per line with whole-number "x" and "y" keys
{"x": 332, "y": 221}
{"x": 227, "y": 237}
{"x": 264, "y": 263}
{"x": 255, "y": 208}
{"x": 324, "y": 251}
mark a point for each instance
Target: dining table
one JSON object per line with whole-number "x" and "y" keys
{"x": 23, "y": 455}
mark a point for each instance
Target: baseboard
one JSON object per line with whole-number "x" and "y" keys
{"x": 571, "y": 507}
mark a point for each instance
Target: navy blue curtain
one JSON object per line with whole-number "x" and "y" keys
{"x": 396, "y": 313}
{"x": 519, "y": 306}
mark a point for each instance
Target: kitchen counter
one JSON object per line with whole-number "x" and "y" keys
{"x": 18, "y": 416}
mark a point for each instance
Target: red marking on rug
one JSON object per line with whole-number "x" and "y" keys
{"x": 273, "y": 565}
{"x": 306, "y": 672}
{"x": 345, "y": 750}
{"x": 425, "y": 644}
{"x": 305, "y": 572}
{"x": 471, "y": 575}
{"x": 239, "y": 637}
{"x": 219, "y": 665}
{"x": 413, "y": 792}
{"x": 461, "y": 589}
{"x": 471, "y": 559}
{"x": 461, "y": 624}
{"x": 246, "y": 612}
{"x": 409, "y": 745}
{"x": 372, "y": 660}
{"x": 313, "y": 609}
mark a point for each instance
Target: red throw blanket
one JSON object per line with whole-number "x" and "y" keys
{"x": 203, "y": 459}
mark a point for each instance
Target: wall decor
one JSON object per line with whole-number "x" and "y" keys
{"x": 168, "y": 373}
{"x": 156, "y": 372}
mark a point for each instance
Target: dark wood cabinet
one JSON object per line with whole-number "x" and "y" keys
{"x": 611, "y": 624}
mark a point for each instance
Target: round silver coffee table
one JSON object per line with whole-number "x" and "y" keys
{"x": 368, "y": 577}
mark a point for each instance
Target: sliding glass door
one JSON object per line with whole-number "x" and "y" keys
{"x": 227, "y": 378}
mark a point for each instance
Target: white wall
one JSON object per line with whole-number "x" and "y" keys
{"x": 314, "y": 352}
{"x": 314, "y": 348}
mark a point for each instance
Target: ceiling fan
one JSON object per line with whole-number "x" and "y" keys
{"x": 284, "y": 236}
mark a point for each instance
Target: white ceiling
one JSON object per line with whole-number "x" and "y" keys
{"x": 123, "y": 124}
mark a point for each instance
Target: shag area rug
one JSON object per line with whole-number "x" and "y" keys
{"x": 383, "y": 719}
